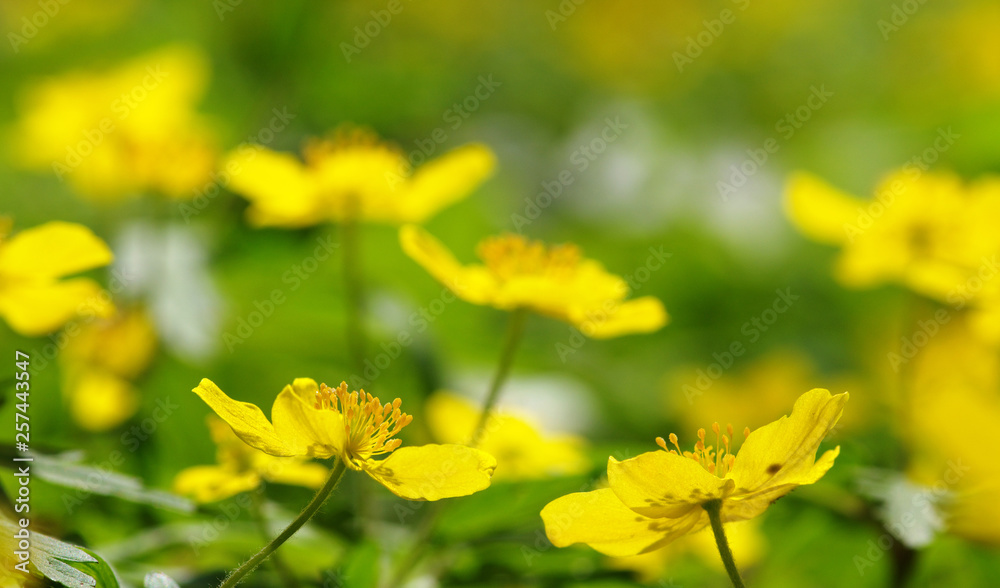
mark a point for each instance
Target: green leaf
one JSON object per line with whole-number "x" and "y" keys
{"x": 64, "y": 563}
{"x": 64, "y": 470}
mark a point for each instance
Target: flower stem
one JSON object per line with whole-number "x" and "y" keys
{"x": 515, "y": 326}
{"x": 713, "y": 508}
{"x": 307, "y": 513}
{"x": 257, "y": 510}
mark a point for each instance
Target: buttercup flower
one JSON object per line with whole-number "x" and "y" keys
{"x": 100, "y": 364}
{"x": 352, "y": 177}
{"x": 242, "y": 468}
{"x": 522, "y": 452}
{"x": 33, "y": 300}
{"x": 318, "y": 421}
{"x": 118, "y": 133}
{"x": 555, "y": 281}
{"x": 656, "y": 497}
{"x": 928, "y": 232}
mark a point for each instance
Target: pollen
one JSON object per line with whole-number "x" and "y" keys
{"x": 370, "y": 426}
{"x": 510, "y": 256}
{"x": 717, "y": 458}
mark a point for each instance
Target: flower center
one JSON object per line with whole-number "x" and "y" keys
{"x": 513, "y": 255}
{"x": 370, "y": 425}
{"x": 718, "y": 459}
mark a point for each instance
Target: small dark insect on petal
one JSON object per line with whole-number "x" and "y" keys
{"x": 773, "y": 468}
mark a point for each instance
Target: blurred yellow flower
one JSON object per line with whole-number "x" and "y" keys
{"x": 99, "y": 365}
{"x": 115, "y": 134}
{"x": 662, "y": 495}
{"x": 521, "y": 451}
{"x": 33, "y": 300}
{"x": 352, "y": 177}
{"x": 951, "y": 412}
{"x": 745, "y": 539}
{"x": 554, "y": 281}
{"x": 242, "y": 468}
{"x": 753, "y": 394}
{"x": 319, "y": 421}
{"x": 926, "y": 231}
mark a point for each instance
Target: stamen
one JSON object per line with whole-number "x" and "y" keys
{"x": 369, "y": 425}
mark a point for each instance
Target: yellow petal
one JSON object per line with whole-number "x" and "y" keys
{"x": 661, "y": 484}
{"x": 246, "y": 420}
{"x": 37, "y": 308}
{"x": 471, "y": 283}
{"x": 305, "y": 429}
{"x": 446, "y": 180}
{"x": 784, "y": 452}
{"x": 600, "y": 520}
{"x": 100, "y": 400}
{"x": 819, "y": 210}
{"x": 213, "y": 483}
{"x": 642, "y": 315}
{"x": 433, "y": 472}
{"x": 278, "y": 185}
{"x": 52, "y": 250}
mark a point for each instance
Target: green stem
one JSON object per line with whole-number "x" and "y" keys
{"x": 354, "y": 293}
{"x": 257, "y": 510}
{"x": 515, "y": 327}
{"x": 713, "y": 508}
{"x": 307, "y": 513}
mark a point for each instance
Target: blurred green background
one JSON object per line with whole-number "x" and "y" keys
{"x": 896, "y": 73}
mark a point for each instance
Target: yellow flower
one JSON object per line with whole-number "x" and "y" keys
{"x": 99, "y": 365}
{"x": 753, "y": 394}
{"x": 318, "y": 421}
{"x": 554, "y": 281}
{"x": 521, "y": 451}
{"x": 118, "y": 133}
{"x": 928, "y": 232}
{"x": 659, "y": 496}
{"x": 33, "y": 300}
{"x": 242, "y": 468}
{"x": 745, "y": 539}
{"x": 951, "y": 413}
{"x": 350, "y": 177}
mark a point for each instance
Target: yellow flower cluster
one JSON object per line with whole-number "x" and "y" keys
{"x": 927, "y": 231}
{"x": 118, "y": 133}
